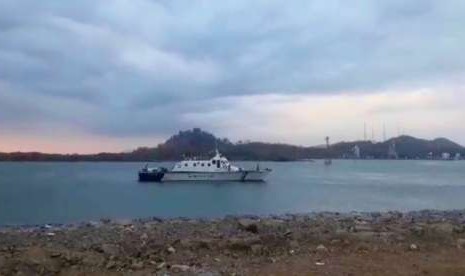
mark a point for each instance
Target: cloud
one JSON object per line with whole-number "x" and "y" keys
{"x": 307, "y": 119}
{"x": 146, "y": 68}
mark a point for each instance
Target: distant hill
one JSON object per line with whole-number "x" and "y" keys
{"x": 197, "y": 142}
{"x": 406, "y": 147}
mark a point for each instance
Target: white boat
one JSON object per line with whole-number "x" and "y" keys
{"x": 217, "y": 168}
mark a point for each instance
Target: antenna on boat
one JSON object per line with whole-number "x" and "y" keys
{"x": 217, "y": 152}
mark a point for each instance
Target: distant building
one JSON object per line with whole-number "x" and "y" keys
{"x": 430, "y": 155}
{"x": 458, "y": 156}
{"x": 356, "y": 151}
{"x": 445, "y": 156}
{"x": 392, "y": 152}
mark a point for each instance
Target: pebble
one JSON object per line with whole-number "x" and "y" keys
{"x": 161, "y": 265}
{"x": 110, "y": 249}
{"x": 137, "y": 265}
{"x": 461, "y": 243}
{"x": 171, "y": 250}
{"x": 248, "y": 225}
{"x": 321, "y": 248}
{"x": 181, "y": 268}
{"x": 111, "y": 264}
{"x": 413, "y": 247}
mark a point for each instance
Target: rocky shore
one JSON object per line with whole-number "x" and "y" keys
{"x": 392, "y": 243}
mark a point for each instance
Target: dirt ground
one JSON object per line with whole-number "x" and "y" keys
{"x": 416, "y": 243}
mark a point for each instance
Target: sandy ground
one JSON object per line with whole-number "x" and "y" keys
{"x": 415, "y": 243}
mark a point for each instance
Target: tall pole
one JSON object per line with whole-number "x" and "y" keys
{"x": 364, "y": 131}
{"x": 328, "y": 160}
{"x": 384, "y": 132}
{"x": 373, "y": 133}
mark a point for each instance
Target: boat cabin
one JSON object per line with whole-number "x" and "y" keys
{"x": 218, "y": 163}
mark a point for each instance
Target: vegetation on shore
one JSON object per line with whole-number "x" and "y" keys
{"x": 200, "y": 143}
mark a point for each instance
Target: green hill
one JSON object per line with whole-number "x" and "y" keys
{"x": 199, "y": 143}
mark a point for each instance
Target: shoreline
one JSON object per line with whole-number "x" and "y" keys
{"x": 361, "y": 243}
{"x": 285, "y": 216}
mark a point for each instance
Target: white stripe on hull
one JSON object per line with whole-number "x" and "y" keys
{"x": 216, "y": 176}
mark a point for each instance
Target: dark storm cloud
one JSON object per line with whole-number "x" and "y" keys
{"x": 124, "y": 68}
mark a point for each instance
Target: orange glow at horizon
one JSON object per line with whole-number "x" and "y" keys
{"x": 69, "y": 145}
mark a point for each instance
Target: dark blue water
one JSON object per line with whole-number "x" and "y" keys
{"x": 69, "y": 192}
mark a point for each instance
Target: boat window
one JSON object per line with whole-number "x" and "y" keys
{"x": 209, "y": 164}
{"x": 218, "y": 165}
{"x": 195, "y": 165}
{"x": 213, "y": 161}
{"x": 185, "y": 164}
{"x": 203, "y": 165}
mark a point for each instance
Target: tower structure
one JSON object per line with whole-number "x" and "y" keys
{"x": 328, "y": 159}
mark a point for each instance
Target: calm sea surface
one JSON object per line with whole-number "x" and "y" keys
{"x": 33, "y": 193}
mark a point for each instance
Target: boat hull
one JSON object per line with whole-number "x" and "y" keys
{"x": 150, "y": 176}
{"x": 239, "y": 176}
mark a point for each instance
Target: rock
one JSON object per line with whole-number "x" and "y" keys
{"x": 23, "y": 269}
{"x": 161, "y": 265}
{"x": 363, "y": 228}
{"x": 171, "y": 250}
{"x": 459, "y": 229}
{"x": 242, "y": 244}
{"x": 413, "y": 247}
{"x": 248, "y": 225}
{"x": 210, "y": 273}
{"x": 294, "y": 244}
{"x": 144, "y": 237}
{"x": 110, "y": 249}
{"x": 92, "y": 260}
{"x": 364, "y": 236}
{"x": 36, "y": 255}
{"x": 105, "y": 220}
{"x": 180, "y": 268}
{"x": 273, "y": 222}
{"x": 55, "y": 254}
{"x": 461, "y": 243}
{"x": 196, "y": 244}
{"x": 417, "y": 231}
{"x": 256, "y": 249}
{"x": 444, "y": 228}
{"x": 321, "y": 248}
{"x": 110, "y": 265}
{"x": 137, "y": 265}
{"x": 335, "y": 241}
{"x": 288, "y": 233}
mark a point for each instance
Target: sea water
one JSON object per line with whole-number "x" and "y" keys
{"x": 64, "y": 192}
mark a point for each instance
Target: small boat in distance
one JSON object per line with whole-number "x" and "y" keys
{"x": 217, "y": 168}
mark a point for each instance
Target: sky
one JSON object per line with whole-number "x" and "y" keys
{"x": 98, "y": 75}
